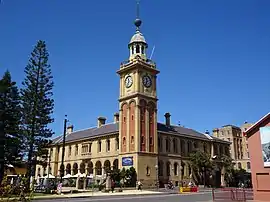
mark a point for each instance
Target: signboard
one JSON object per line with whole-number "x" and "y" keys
{"x": 265, "y": 142}
{"x": 127, "y": 161}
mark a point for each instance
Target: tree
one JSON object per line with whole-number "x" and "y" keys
{"x": 201, "y": 163}
{"x": 37, "y": 105}
{"x": 10, "y": 117}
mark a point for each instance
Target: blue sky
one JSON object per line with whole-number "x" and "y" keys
{"x": 214, "y": 56}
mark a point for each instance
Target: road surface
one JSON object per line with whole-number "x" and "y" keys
{"x": 193, "y": 197}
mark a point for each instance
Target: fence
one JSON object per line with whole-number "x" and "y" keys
{"x": 232, "y": 194}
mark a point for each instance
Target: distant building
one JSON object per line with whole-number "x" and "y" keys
{"x": 239, "y": 146}
{"x": 19, "y": 169}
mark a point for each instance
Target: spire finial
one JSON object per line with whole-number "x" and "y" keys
{"x": 138, "y": 9}
{"x": 138, "y": 21}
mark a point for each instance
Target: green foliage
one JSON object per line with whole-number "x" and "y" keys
{"x": 200, "y": 160}
{"x": 128, "y": 176}
{"x": 10, "y": 117}
{"x": 37, "y": 104}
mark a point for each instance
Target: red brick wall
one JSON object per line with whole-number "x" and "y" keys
{"x": 132, "y": 106}
{"x": 124, "y": 127}
{"x": 142, "y": 124}
{"x": 151, "y": 127}
{"x": 260, "y": 174}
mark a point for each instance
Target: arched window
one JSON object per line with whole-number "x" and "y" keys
{"x": 160, "y": 168}
{"x": 248, "y": 165}
{"x": 142, "y": 139}
{"x": 124, "y": 140}
{"x": 99, "y": 146}
{"x": 175, "y": 167}
{"x": 168, "y": 169}
{"x": 189, "y": 146}
{"x": 174, "y": 145}
{"x": 137, "y": 49}
{"x": 239, "y": 165}
{"x": 142, "y": 49}
{"x": 147, "y": 170}
{"x": 167, "y": 145}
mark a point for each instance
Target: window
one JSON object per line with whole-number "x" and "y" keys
{"x": 204, "y": 148}
{"x": 189, "y": 146}
{"x": 142, "y": 49}
{"x": 195, "y": 145}
{"x": 167, "y": 145}
{"x": 168, "y": 167}
{"x": 174, "y": 146}
{"x": 147, "y": 171}
{"x": 142, "y": 139}
{"x": 132, "y": 117}
{"x": 239, "y": 165}
{"x": 124, "y": 119}
{"x": 99, "y": 146}
{"x": 84, "y": 148}
{"x": 90, "y": 148}
{"x": 137, "y": 49}
{"x": 175, "y": 169}
{"x": 124, "y": 140}
{"x": 248, "y": 165}
{"x": 151, "y": 140}
{"x": 117, "y": 143}
{"x": 108, "y": 145}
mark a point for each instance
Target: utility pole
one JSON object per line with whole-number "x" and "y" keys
{"x": 62, "y": 167}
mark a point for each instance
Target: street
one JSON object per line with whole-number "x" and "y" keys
{"x": 194, "y": 197}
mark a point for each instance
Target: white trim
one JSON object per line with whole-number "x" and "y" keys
{"x": 255, "y": 124}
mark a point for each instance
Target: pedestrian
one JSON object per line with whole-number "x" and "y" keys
{"x": 113, "y": 186}
{"x": 139, "y": 185}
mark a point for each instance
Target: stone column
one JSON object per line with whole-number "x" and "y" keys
{"x": 77, "y": 182}
{"x": 84, "y": 182}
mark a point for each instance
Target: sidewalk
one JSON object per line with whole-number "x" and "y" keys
{"x": 93, "y": 194}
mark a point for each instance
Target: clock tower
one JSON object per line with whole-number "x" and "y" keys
{"x": 138, "y": 109}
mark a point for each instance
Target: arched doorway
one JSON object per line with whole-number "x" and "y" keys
{"x": 75, "y": 168}
{"x": 115, "y": 164}
{"x": 98, "y": 168}
{"x": 68, "y": 169}
{"x": 82, "y": 168}
{"x": 107, "y": 166}
{"x": 90, "y": 168}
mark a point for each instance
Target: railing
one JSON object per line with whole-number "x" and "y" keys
{"x": 232, "y": 194}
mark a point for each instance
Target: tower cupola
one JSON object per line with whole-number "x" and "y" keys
{"x": 137, "y": 45}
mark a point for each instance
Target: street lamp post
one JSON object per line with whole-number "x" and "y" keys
{"x": 63, "y": 150}
{"x": 157, "y": 183}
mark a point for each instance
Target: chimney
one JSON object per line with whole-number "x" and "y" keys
{"x": 70, "y": 129}
{"x": 167, "y": 119}
{"x": 116, "y": 117}
{"x": 101, "y": 121}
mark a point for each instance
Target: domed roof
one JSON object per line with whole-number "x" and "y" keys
{"x": 137, "y": 37}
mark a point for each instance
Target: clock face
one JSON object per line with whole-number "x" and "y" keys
{"x": 147, "y": 82}
{"x": 128, "y": 81}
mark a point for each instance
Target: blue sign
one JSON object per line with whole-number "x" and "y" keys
{"x": 127, "y": 161}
